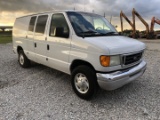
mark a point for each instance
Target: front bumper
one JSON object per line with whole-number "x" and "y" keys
{"x": 117, "y": 79}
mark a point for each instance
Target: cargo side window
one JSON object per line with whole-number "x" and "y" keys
{"x": 59, "y": 26}
{"x": 31, "y": 25}
{"x": 41, "y": 24}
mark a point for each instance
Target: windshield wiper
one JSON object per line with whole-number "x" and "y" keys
{"x": 89, "y": 32}
{"x": 111, "y": 33}
{"x": 95, "y": 33}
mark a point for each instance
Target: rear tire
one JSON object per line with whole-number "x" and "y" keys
{"x": 23, "y": 60}
{"x": 84, "y": 82}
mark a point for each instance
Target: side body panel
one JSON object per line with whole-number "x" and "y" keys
{"x": 20, "y": 32}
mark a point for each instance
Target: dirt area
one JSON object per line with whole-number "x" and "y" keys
{"x": 42, "y": 93}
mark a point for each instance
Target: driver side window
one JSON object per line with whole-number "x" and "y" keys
{"x": 59, "y": 26}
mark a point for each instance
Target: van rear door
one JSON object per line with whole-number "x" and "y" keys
{"x": 30, "y": 38}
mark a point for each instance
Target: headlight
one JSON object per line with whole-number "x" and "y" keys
{"x": 107, "y": 61}
{"x": 115, "y": 60}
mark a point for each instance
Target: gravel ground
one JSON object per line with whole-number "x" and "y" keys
{"x": 42, "y": 93}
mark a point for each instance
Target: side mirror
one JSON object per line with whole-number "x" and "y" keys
{"x": 59, "y": 32}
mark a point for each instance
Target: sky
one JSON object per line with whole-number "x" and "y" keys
{"x": 11, "y": 9}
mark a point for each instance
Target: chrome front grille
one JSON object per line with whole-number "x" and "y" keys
{"x": 132, "y": 58}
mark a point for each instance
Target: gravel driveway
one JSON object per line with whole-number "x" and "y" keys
{"x": 42, "y": 93}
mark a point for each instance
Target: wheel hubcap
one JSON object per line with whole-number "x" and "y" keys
{"x": 81, "y": 83}
{"x": 21, "y": 59}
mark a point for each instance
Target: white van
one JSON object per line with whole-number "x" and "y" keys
{"x": 84, "y": 45}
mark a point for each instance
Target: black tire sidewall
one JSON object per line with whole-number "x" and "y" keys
{"x": 26, "y": 60}
{"x": 91, "y": 76}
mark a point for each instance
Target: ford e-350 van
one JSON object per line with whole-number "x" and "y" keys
{"x": 84, "y": 45}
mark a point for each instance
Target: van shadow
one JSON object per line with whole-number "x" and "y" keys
{"x": 123, "y": 94}
{"x": 129, "y": 93}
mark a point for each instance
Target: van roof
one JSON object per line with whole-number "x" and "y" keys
{"x": 54, "y": 11}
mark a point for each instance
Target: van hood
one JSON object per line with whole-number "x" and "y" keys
{"x": 116, "y": 44}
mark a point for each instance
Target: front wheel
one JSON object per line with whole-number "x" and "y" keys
{"x": 84, "y": 82}
{"x": 23, "y": 60}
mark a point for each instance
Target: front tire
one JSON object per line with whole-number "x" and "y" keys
{"x": 23, "y": 60}
{"x": 84, "y": 82}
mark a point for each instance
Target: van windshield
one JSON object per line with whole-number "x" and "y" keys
{"x": 89, "y": 24}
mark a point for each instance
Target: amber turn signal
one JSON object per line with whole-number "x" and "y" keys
{"x": 105, "y": 60}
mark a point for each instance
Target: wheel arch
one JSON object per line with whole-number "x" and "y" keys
{"x": 19, "y": 48}
{"x": 79, "y": 62}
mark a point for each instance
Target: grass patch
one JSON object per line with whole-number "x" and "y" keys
{"x": 5, "y": 39}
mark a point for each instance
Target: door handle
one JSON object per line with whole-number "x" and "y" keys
{"x": 47, "y": 47}
{"x": 35, "y": 45}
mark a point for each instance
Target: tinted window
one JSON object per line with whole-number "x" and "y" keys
{"x": 41, "y": 24}
{"x": 31, "y": 24}
{"x": 59, "y": 27}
